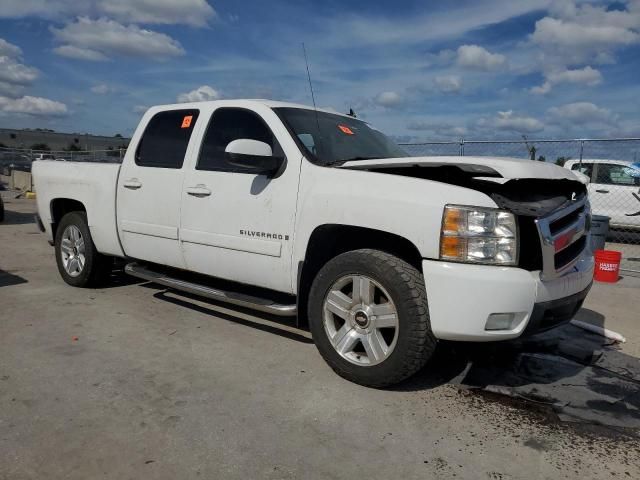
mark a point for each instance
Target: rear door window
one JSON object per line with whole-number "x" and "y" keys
{"x": 614, "y": 174}
{"x": 165, "y": 140}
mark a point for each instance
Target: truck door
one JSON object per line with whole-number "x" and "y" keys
{"x": 615, "y": 192}
{"x": 235, "y": 224}
{"x": 598, "y": 202}
{"x": 149, "y": 189}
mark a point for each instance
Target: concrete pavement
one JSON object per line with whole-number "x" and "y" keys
{"x": 131, "y": 381}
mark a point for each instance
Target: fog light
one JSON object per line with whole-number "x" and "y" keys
{"x": 500, "y": 321}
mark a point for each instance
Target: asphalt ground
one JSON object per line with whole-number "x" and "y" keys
{"x": 134, "y": 381}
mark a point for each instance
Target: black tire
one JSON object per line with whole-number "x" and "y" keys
{"x": 405, "y": 285}
{"x": 97, "y": 267}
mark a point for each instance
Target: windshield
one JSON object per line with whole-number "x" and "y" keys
{"x": 330, "y": 138}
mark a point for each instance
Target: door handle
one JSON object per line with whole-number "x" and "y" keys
{"x": 198, "y": 191}
{"x": 602, "y": 191}
{"x": 132, "y": 184}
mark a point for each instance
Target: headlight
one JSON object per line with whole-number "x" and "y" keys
{"x": 479, "y": 235}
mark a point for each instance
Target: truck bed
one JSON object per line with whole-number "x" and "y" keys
{"x": 93, "y": 185}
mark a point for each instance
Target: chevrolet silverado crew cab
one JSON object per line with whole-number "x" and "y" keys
{"x": 300, "y": 212}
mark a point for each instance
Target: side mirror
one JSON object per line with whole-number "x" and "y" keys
{"x": 252, "y": 156}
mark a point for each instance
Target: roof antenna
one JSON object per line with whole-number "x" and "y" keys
{"x": 313, "y": 98}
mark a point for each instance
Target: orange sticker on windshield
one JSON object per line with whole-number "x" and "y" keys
{"x": 346, "y": 130}
{"x": 186, "y": 121}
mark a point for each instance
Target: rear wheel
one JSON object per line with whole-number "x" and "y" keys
{"x": 79, "y": 262}
{"x": 369, "y": 317}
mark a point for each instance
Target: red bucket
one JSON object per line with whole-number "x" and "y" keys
{"x": 607, "y": 265}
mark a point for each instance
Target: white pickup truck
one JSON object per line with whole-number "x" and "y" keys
{"x": 614, "y": 190}
{"x": 295, "y": 211}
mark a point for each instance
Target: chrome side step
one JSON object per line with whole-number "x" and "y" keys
{"x": 255, "y": 303}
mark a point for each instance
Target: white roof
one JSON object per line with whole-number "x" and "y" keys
{"x": 245, "y": 102}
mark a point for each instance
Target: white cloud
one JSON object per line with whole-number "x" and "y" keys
{"x": 442, "y": 130}
{"x": 461, "y": 17}
{"x": 21, "y": 8}
{"x": 32, "y": 106}
{"x": 585, "y": 33}
{"x": 448, "y": 83}
{"x": 88, "y": 39}
{"x": 542, "y": 89}
{"x": 508, "y": 121}
{"x": 200, "y": 94}
{"x": 15, "y": 76}
{"x": 190, "y": 12}
{"x": 11, "y": 90}
{"x": 389, "y": 99}
{"x": 582, "y": 113}
{"x": 9, "y": 49}
{"x": 79, "y": 53}
{"x": 12, "y": 71}
{"x": 479, "y": 58}
{"x": 101, "y": 89}
{"x": 585, "y": 76}
{"x": 140, "y": 108}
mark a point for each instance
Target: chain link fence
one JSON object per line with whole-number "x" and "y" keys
{"x": 21, "y": 159}
{"x": 614, "y": 190}
{"x": 613, "y": 166}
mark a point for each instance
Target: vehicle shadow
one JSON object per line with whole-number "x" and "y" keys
{"x": 8, "y": 279}
{"x": 17, "y": 218}
{"x": 578, "y": 374}
{"x": 118, "y": 278}
{"x": 284, "y": 327}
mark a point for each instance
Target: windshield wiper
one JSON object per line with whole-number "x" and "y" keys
{"x": 342, "y": 161}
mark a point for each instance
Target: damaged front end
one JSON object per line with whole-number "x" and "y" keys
{"x": 553, "y": 214}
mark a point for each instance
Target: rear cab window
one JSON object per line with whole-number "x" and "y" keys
{"x": 165, "y": 139}
{"x": 584, "y": 168}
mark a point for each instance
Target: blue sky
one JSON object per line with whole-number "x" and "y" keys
{"x": 417, "y": 70}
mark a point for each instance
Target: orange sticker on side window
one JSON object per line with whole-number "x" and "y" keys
{"x": 186, "y": 121}
{"x": 346, "y": 129}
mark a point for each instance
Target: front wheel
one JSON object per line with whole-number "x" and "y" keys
{"x": 369, "y": 317}
{"x": 79, "y": 262}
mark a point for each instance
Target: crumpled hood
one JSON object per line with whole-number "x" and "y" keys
{"x": 489, "y": 167}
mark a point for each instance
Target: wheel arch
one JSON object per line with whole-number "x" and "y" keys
{"x": 330, "y": 240}
{"x": 59, "y": 207}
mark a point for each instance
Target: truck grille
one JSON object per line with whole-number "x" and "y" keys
{"x": 563, "y": 237}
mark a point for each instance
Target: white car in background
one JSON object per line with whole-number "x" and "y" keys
{"x": 614, "y": 189}
{"x": 44, "y": 156}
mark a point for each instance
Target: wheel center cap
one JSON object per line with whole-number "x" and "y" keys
{"x": 361, "y": 319}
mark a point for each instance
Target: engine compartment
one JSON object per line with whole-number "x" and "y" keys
{"x": 529, "y": 197}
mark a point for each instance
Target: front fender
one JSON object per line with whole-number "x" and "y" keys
{"x": 404, "y": 206}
